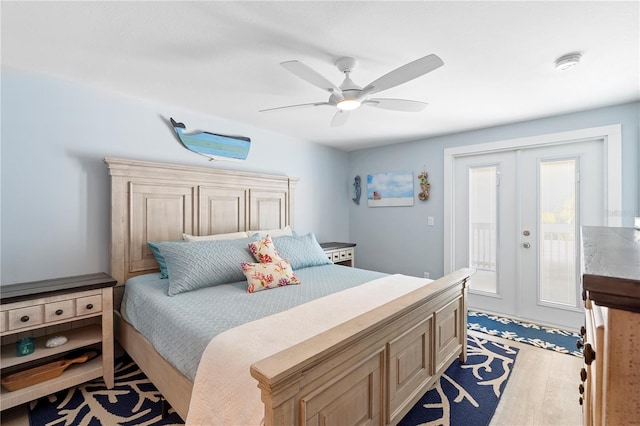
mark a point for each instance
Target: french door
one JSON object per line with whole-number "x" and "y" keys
{"x": 517, "y": 222}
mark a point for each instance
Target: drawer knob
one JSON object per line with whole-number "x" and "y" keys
{"x": 59, "y": 312}
{"x": 581, "y": 388}
{"x": 589, "y": 354}
{"x": 580, "y": 400}
{"x": 90, "y": 306}
{"x": 579, "y": 344}
{"x": 583, "y": 374}
{"x": 24, "y": 318}
{"x": 583, "y": 331}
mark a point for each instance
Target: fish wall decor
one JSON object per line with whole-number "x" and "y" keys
{"x": 212, "y": 145}
{"x": 357, "y": 189}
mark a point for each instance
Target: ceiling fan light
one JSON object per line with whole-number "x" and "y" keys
{"x": 348, "y": 104}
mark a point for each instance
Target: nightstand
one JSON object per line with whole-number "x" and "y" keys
{"x": 79, "y": 308}
{"x": 340, "y": 253}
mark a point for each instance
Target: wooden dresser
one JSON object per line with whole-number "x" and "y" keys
{"x": 610, "y": 388}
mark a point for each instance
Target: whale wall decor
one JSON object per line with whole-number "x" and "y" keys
{"x": 214, "y": 146}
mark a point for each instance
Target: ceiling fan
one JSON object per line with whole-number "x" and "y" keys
{"x": 349, "y": 96}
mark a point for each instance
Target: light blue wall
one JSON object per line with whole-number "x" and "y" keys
{"x": 55, "y": 218}
{"x": 398, "y": 239}
{"x": 54, "y": 206}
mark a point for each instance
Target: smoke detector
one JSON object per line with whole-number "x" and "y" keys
{"x": 568, "y": 61}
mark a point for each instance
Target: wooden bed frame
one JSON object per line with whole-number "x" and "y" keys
{"x": 369, "y": 370}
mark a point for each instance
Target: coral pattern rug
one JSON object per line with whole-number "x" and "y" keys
{"x": 467, "y": 394}
{"x": 133, "y": 400}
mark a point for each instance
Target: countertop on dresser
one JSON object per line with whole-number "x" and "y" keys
{"x": 611, "y": 266}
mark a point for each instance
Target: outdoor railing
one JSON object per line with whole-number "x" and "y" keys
{"x": 482, "y": 244}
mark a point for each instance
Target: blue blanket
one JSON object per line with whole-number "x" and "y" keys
{"x": 181, "y": 326}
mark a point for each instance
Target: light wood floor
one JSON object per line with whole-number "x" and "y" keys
{"x": 542, "y": 391}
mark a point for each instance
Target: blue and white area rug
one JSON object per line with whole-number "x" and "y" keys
{"x": 554, "y": 339}
{"x": 132, "y": 401}
{"x": 467, "y": 394}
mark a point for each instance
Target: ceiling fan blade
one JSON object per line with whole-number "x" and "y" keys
{"x": 339, "y": 118}
{"x": 311, "y": 76}
{"x": 404, "y": 105}
{"x": 295, "y": 106}
{"x": 403, "y": 74}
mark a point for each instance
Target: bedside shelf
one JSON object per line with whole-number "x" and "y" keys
{"x": 74, "y": 375}
{"x": 78, "y": 338}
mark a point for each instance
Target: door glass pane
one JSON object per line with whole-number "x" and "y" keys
{"x": 483, "y": 197}
{"x": 557, "y": 227}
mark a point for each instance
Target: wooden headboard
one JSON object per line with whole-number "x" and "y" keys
{"x": 160, "y": 202}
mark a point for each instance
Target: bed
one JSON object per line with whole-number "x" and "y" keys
{"x": 368, "y": 366}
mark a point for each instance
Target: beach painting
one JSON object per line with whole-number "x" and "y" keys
{"x": 390, "y": 189}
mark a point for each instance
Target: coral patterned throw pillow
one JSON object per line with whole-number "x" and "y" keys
{"x": 263, "y": 276}
{"x": 264, "y": 251}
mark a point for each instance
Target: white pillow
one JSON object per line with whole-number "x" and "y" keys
{"x": 286, "y": 231}
{"x": 229, "y": 236}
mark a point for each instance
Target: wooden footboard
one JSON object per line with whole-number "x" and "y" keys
{"x": 372, "y": 369}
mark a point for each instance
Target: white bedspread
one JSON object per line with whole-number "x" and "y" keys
{"x": 224, "y": 392}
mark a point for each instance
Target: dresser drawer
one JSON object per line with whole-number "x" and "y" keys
{"x": 59, "y": 310}
{"x": 88, "y": 305}
{"x": 26, "y": 317}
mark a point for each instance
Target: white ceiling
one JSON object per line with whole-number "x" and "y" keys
{"x": 222, "y": 58}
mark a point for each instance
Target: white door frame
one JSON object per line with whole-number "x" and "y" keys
{"x": 612, "y": 140}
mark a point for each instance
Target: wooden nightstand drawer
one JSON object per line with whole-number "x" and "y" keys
{"x": 3, "y": 322}
{"x": 346, "y": 255}
{"x": 59, "y": 310}
{"x": 26, "y": 317}
{"x": 88, "y": 305}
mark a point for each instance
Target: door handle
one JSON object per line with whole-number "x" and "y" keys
{"x": 526, "y": 245}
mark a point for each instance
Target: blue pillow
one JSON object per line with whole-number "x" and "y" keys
{"x": 302, "y": 251}
{"x": 200, "y": 264}
{"x": 160, "y": 259}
